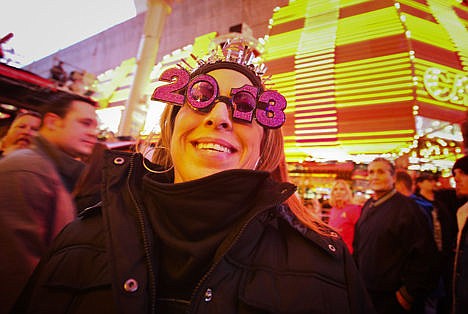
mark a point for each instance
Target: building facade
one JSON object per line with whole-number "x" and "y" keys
{"x": 362, "y": 78}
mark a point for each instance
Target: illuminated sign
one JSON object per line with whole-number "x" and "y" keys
{"x": 446, "y": 87}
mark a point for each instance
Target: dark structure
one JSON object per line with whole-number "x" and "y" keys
{"x": 20, "y": 89}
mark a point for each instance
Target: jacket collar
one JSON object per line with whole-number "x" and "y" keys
{"x": 274, "y": 193}
{"x": 68, "y": 167}
{"x": 384, "y": 198}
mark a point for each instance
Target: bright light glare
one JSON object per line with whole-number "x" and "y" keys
{"x": 43, "y": 27}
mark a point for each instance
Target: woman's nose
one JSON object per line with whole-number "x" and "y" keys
{"x": 219, "y": 117}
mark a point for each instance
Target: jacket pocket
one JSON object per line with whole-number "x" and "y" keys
{"x": 74, "y": 280}
{"x": 292, "y": 293}
{"x": 80, "y": 268}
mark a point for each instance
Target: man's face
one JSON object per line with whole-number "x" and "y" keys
{"x": 427, "y": 186}
{"x": 461, "y": 181}
{"x": 21, "y": 132}
{"x": 381, "y": 180}
{"x": 78, "y": 129}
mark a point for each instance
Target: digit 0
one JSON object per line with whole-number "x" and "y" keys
{"x": 203, "y": 101}
{"x": 244, "y": 105}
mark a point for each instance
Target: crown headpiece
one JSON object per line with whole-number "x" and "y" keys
{"x": 193, "y": 86}
{"x": 236, "y": 50}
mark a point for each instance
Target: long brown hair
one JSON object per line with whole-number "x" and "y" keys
{"x": 271, "y": 150}
{"x": 272, "y": 160}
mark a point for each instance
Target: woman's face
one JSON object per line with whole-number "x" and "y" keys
{"x": 206, "y": 143}
{"x": 340, "y": 193}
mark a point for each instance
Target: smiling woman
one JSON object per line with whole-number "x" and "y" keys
{"x": 212, "y": 226}
{"x": 211, "y": 141}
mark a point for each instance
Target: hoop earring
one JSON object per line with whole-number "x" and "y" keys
{"x": 156, "y": 171}
{"x": 257, "y": 163}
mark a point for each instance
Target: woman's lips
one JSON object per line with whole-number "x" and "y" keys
{"x": 214, "y": 145}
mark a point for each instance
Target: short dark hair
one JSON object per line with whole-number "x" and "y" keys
{"x": 388, "y": 162}
{"x": 60, "y": 102}
{"x": 462, "y": 164}
{"x": 426, "y": 176}
{"x": 23, "y": 113}
{"x": 405, "y": 178}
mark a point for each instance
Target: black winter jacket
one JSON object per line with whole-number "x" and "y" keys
{"x": 104, "y": 262}
{"x": 460, "y": 284}
{"x": 394, "y": 250}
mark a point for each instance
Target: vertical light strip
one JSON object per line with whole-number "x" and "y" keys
{"x": 315, "y": 59}
{"x": 373, "y": 82}
{"x": 457, "y": 32}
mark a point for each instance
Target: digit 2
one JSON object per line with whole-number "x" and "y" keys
{"x": 178, "y": 79}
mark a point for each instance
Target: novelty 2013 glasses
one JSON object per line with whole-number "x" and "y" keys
{"x": 202, "y": 93}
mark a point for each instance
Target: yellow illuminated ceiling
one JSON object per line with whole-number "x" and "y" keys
{"x": 353, "y": 72}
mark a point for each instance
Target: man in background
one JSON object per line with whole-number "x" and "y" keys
{"x": 404, "y": 183}
{"x": 443, "y": 228}
{"x": 21, "y": 132}
{"x": 35, "y": 186}
{"x": 393, "y": 246}
{"x": 460, "y": 275}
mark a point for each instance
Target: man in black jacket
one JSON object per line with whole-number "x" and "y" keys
{"x": 460, "y": 278}
{"x": 393, "y": 246}
{"x": 35, "y": 186}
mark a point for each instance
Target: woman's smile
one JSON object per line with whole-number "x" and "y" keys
{"x": 204, "y": 143}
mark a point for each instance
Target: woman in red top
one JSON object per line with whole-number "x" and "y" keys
{"x": 343, "y": 214}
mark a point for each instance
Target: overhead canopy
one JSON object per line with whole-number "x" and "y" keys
{"x": 23, "y": 89}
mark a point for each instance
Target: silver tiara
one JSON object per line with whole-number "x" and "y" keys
{"x": 235, "y": 50}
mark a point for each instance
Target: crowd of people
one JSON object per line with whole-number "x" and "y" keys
{"x": 211, "y": 223}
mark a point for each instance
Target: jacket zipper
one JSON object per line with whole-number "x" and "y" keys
{"x": 210, "y": 271}
{"x": 146, "y": 244}
{"x": 87, "y": 209}
{"x": 455, "y": 265}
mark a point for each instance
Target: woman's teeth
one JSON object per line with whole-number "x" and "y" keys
{"x": 212, "y": 146}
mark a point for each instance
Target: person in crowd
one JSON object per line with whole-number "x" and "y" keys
{"x": 58, "y": 74}
{"x": 314, "y": 207}
{"x": 35, "y": 186}
{"x": 393, "y": 246}
{"x": 209, "y": 226}
{"x": 21, "y": 132}
{"x": 460, "y": 274}
{"x": 343, "y": 214}
{"x": 444, "y": 232}
{"x": 404, "y": 182}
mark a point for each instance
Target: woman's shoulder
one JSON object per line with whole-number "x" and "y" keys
{"x": 322, "y": 238}
{"x": 286, "y": 246}
{"x": 87, "y": 230}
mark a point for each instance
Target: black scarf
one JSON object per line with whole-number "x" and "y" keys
{"x": 192, "y": 219}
